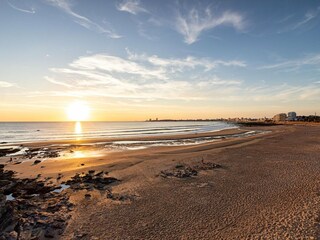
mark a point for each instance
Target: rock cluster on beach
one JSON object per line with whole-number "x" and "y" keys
{"x": 5, "y": 151}
{"x": 184, "y": 171}
{"x": 30, "y": 152}
{"x": 97, "y": 181}
{"x": 41, "y": 153}
{"x": 90, "y": 181}
{"x": 29, "y": 209}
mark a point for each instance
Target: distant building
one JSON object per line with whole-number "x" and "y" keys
{"x": 281, "y": 117}
{"x": 292, "y": 116}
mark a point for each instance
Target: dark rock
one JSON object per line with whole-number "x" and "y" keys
{"x": 25, "y": 234}
{"x": 4, "y": 183}
{"x": 12, "y": 235}
{"x": 180, "y": 172}
{"x": 179, "y": 166}
{"x": 120, "y": 197}
{"x": 49, "y": 233}
{"x": 184, "y": 171}
{"x": 87, "y": 195}
{"x": 5, "y": 151}
{"x": 99, "y": 174}
{"x": 37, "y": 161}
{"x": 207, "y": 165}
{"x": 34, "y": 212}
{"x": 2, "y": 166}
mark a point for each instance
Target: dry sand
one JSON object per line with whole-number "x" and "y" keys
{"x": 268, "y": 188}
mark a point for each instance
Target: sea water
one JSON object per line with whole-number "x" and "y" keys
{"x": 17, "y": 132}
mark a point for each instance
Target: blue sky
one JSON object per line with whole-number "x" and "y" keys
{"x": 131, "y": 60}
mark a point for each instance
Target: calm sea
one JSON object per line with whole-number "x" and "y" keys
{"x": 14, "y": 132}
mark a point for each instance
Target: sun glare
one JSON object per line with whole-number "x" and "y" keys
{"x": 78, "y": 111}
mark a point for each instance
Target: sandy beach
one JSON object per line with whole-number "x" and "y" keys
{"x": 261, "y": 186}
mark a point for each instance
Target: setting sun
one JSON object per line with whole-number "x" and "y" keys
{"x": 78, "y": 111}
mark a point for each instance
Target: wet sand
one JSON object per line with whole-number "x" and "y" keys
{"x": 266, "y": 188}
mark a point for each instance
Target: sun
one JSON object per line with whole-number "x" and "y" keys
{"x": 78, "y": 111}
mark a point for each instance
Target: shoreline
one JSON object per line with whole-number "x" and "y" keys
{"x": 169, "y": 136}
{"x": 223, "y": 177}
{"x": 66, "y": 155}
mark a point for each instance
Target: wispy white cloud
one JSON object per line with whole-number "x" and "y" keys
{"x": 284, "y": 93}
{"x": 285, "y": 19}
{"x": 113, "y": 64}
{"x": 216, "y": 81}
{"x": 49, "y": 79}
{"x": 152, "y": 78}
{"x": 179, "y": 64}
{"x": 306, "y": 22}
{"x": 307, "y": 18}
{"x": 31, "y": 10}
{"x": 131, "y": 6}
{"x": 85, "y": 22}
{"x": 4, "y": 84}
{"x": 192, "y": 23}
{"x": 141, "y": 77}
{"x": 296, "y": 63}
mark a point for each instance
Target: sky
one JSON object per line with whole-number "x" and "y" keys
{"x": 134, "y": 60}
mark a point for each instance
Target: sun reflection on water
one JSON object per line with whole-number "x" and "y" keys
{"x": 78, "y": 130}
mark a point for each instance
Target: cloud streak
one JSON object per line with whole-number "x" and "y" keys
{"x": 311, "y": 60}
{"x": 131, "y": 6}
{"x": 179, "y": 64}
{"x": 85, "y": 22}
{"x": 192, "y": 23}
{"x": 307, "y": 18}
{"x": 31, "y": 11}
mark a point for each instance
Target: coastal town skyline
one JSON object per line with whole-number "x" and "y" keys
{"x": 134, "y": 60}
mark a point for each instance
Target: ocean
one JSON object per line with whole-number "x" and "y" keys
{"x": 18, "y": 132}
